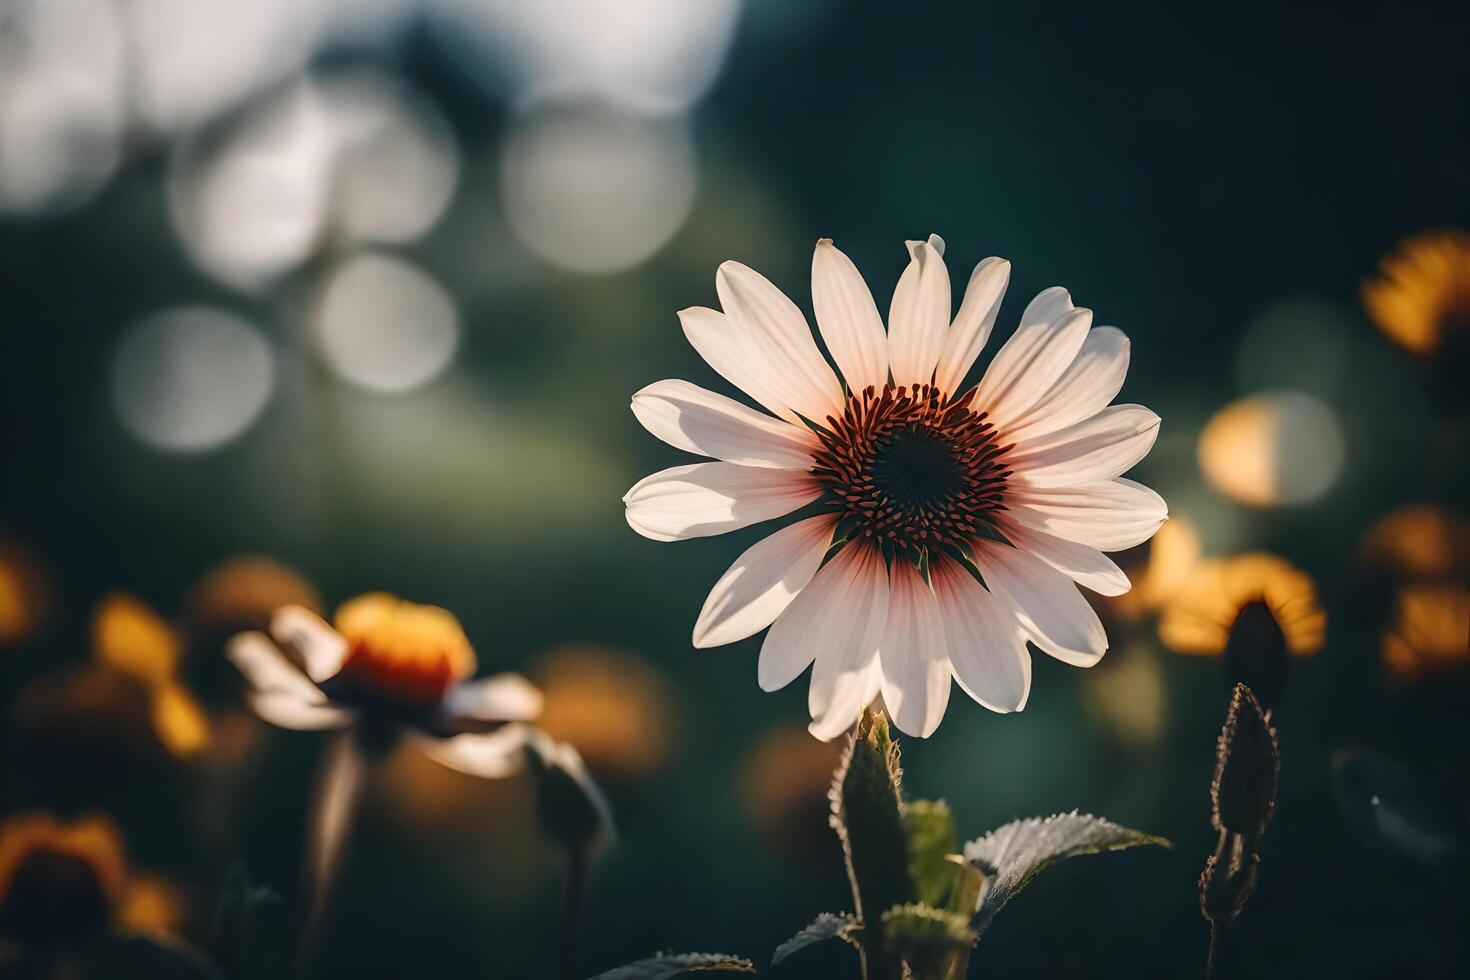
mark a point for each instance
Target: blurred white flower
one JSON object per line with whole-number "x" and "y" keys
{"x": 393, "y": 663}
{"x": 926, "y": 487}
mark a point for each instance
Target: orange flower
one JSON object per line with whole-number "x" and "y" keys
{"x": 59, "y": 879}
{"x": 1419, "y": 541}
{"x": 24, "y": 594}
{"x": 133, "y": 640}
{"x": 1424, "y": 293}
{"x": 241, "y": 594}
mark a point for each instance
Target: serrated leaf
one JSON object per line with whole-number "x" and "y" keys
{"x": 932, "y": 840}
{"x": 867, "y": 813}
{"x": 668, "y": 966}
{"x": 1012, "y": 855}
{"x": 826, "y": 926}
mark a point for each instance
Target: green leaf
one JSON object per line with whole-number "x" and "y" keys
{"x": 670, "y": 965}
{"x": 926, "y": 938}
{"x": 826, "y": 926}
{"x": 932, "y": 840}
{"x": 867, "y": 813}
{"x": 1012, "y": 855}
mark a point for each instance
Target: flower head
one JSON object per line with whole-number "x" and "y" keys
{"x": 388, "y": 663}
{"x": 1254, "y": 609}
{"x": 1422, "y": 300}
{"x": 952, "y": 522}
{"x": 1429, "y": 632}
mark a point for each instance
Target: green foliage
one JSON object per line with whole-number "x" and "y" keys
{"x": 932, "y": 839}
{"x": 867, "y": 813}
{"x": 823, "y": 928}
{"x": 671, "y": 965}
{"x": 933, "y": 942}
{"x": 1011, "y": 856}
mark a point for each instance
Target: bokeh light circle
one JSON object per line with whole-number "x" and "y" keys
{"x": 1279, "y": 448}
{"x": 384, "y": 325}
{"x": 595, "y": 190}
{"x": 191, "y": 379}
{"x": 61, "y": 101}
{"x": 354, "y": 155}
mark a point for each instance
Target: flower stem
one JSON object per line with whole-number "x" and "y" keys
{"x": 329, "y": 828}
{"x": 1217, "y": 950}
{"x": 574, "y": 890}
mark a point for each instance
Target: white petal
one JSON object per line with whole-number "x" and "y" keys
{"x": 730, "y": 351}
{"x": 1093, "y": 379}
{"x": 1109, "y": 515}
{"x": 916, "y": 669}
{"x": 1099, "y": 448}
{"x": 321, "y": 648}
{"x": 696, "y": 420}
{"x": 973, "y": 323}
{"x": 835, "y": 612}
{"x": 918, "y": 316}
{"x": 848, "y": 318}
{"x": 286, "y": 710}
{"x": 700, "y": 499}
{"x": 1029, "y": 363}
{"x": 777, "y": 334}
{"x": 489, "y": 755}
{"x": 1051, "y": 611}
{"x": 985, "y": 646}
{"x": 280, "y": 693}
{"x": 762, "y": 582}
{"x": 500, "y": 697}
{"x": 1082, "y": 563}
{"x": 847, "y": 674}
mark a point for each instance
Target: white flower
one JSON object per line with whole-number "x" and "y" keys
{"x": 925, "y": 489}
{"x": 391, "y": 664}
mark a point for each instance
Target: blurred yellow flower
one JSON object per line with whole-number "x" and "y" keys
{"x": 59, "y": 878}
{"x": 614, "y": 707}
{"x": 152, "y": 904}
{"x": 132, "y": 639}
{"x": 1200, "y": 617}
{"x": 1430, "y": 631}
{"x": 1424, "y": 292}
{"x": 241, "y": 593}
{"x": 1420, "y": 541}
{"x": 24, "y": 594}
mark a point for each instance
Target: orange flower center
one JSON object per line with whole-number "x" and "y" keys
{"x": 401, "y": 651}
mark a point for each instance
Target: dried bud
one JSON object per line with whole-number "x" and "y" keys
{"x": 1227, "y": 883}
{"x": 1246, "y": 765}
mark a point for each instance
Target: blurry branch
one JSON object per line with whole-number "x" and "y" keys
{"x": 1243, "y": 797}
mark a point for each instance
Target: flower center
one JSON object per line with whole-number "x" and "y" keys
{"x": 912, "y": 469}
{"x": 402, "y": 652}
